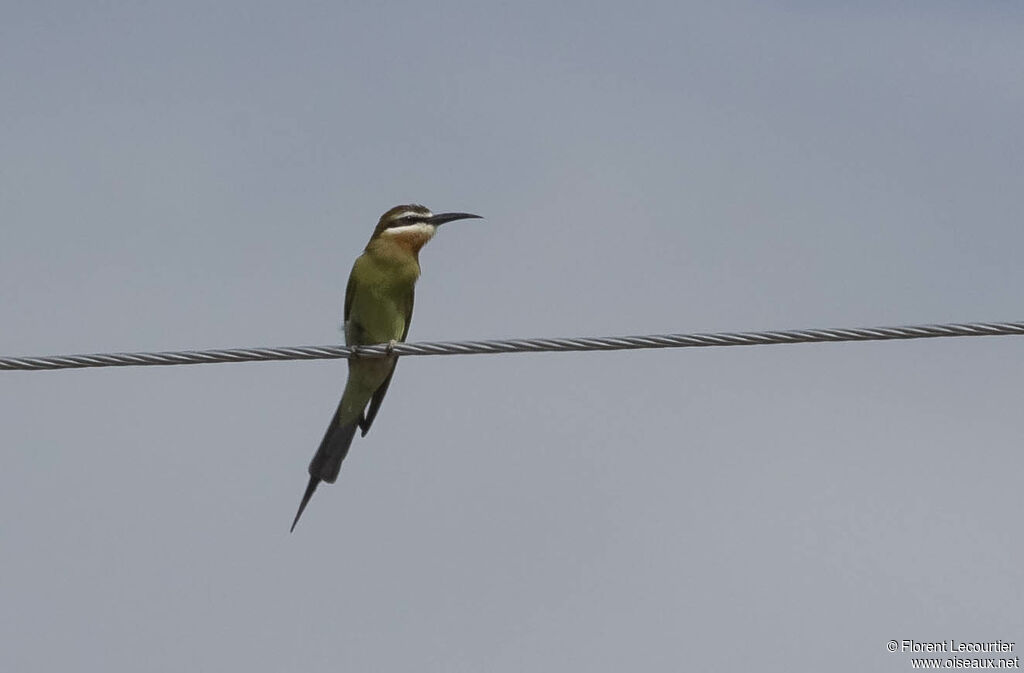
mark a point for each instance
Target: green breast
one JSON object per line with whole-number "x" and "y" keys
{"x": 381, "y": 299}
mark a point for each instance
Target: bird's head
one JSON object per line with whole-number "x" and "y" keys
{"x": 411, "y": 226}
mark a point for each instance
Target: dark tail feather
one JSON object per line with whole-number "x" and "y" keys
{"x": 327, "y": 462}
{"x": 313, "y": 483}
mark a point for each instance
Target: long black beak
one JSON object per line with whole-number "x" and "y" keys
{"x": 440, "y": 218}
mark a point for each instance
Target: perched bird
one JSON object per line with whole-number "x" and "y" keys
{"x": 378, "y": 309}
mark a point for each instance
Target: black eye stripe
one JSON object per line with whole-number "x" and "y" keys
{"x": 407, "y": 220}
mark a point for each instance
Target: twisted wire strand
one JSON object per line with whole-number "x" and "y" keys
{"x": 698, "y": 340}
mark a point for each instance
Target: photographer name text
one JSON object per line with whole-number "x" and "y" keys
{"x": 955, "y": 646}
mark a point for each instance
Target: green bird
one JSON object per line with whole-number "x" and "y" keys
{"x": 378, "y": 309}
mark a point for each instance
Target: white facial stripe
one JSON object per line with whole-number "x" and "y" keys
{"x": 420, "y": 228}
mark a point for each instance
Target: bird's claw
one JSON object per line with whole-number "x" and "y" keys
{"x": 390, "y": 348}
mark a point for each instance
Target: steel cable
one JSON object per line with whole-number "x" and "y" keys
{"x": 697, "y": 340}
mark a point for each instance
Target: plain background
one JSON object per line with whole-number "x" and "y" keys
{"x": 201, "y": 175}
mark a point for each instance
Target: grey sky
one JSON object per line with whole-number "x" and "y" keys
{"x": 176, "y": 175}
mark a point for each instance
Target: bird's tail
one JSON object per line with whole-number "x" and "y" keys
{"x": 327, "y": 462}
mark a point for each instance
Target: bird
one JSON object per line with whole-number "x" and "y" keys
{"x": 378, "y": 309}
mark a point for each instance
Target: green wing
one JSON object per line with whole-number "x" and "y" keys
{"x": 378, "y": 397}
{"x": 350, "y": 293}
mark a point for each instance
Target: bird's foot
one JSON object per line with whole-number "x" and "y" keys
{"x": 390, "y": 348}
